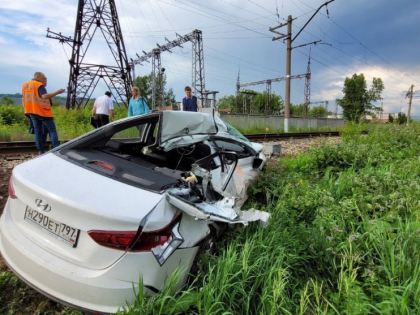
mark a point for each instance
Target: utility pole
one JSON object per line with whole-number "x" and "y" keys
{"x": 288, "y": 71}
{"x": 307, "y": 93}
{"x": 409, "y": 94}
{"x": 290, "y": 40}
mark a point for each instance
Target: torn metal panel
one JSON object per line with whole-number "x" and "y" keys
{"x": 221, "y": 211}
{"x": 183, "y": 141}
{"x": 178, "y": 124}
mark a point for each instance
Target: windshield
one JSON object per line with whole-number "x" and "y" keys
{"x": 232, "y": 131}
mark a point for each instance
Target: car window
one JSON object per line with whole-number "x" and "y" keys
{"x": 236, "y": 147}
{"x": 233, "y": 132}
{"x": 132, "y": 133}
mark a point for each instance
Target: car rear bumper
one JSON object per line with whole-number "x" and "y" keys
{"x": 104, "y": 290}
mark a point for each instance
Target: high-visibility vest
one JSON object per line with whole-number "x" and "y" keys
{"x": 32, "y": 102}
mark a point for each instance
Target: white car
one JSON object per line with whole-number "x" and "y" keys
{"x": 136, "y": 197}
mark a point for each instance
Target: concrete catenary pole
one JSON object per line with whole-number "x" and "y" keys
{"x": 410, "y": 92}
{"x": 288, "y": 72}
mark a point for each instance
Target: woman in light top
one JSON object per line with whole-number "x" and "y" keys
{"x": 138, "y": 104}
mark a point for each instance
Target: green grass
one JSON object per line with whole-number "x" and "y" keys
{"x": 343, "y": 237}
{"x": 70, "y": 123}
{"x": 262, "y": 129}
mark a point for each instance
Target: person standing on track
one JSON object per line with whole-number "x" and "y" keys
{"x": 36, "y": 103}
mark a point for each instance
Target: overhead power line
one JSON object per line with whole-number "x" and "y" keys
{"x": 358, "y": 41}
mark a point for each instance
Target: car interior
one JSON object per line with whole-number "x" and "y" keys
{"x": 130, "y": 153}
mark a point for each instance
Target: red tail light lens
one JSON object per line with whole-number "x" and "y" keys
{"x": 126, "y": 240}
{"x": 113, "y": 239}
{"x": 150, "y": 239}
{"x": 11, "y": 188}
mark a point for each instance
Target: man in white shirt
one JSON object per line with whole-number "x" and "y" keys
{"x": 103, "y": 108}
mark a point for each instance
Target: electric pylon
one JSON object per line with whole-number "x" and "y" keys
{"x": 94, "y": 15}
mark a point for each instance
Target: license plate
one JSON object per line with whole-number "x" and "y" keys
{"x": 64, "y": 232}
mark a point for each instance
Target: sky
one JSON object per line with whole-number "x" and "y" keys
{"x": 379, "y": 38}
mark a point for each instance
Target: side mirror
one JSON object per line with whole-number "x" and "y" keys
{"x": 257, "y": 162}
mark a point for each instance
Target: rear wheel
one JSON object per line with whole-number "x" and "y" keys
{"x": 206, "y": 250}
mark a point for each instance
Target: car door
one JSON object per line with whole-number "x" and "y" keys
{"x": 243, "y": 174}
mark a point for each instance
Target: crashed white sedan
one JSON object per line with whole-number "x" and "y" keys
{"x": 136, "y": 197}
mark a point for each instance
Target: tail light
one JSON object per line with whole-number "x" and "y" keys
{"x": 162, "y": 243}
{"x": 11, "y": 188}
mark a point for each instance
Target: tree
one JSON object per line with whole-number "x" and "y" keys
{"x": 144, "y": 84}
{"x": 260, "y": 101}
{"x": 402, "y": 118}
{"x": 258, "y": 105}
{"x": 390, "y": 118}
{"x": 318, "y": 112}
{"x": 357, "y": 100}
{"x": 170, "y": 99}
{"x": 6, "y": 100}
{"x": 297, "y": 110}
{"x": 226, "y": 102}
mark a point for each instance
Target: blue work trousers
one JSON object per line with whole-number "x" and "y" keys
{"x": 39, "y": 123}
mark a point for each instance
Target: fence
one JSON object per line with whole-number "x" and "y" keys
{"x": 277, "y": 122}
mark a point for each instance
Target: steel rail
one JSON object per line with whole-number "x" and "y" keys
{"x": 295, "y": 135}
{"x": 18, "y": 147}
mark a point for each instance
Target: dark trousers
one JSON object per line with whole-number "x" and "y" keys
{"x": 102, "y": 120}
{"x": 39, "y": 123}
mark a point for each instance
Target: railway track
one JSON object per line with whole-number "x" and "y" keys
{"x": 22, "y": 147}
{"x": 290, "y": 135}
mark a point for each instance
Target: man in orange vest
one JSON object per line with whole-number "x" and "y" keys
{"x": 35, "y": 101}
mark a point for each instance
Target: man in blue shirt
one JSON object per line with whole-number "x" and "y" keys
{"x": 138, "y": 104}
{"x": 190, "y": 103}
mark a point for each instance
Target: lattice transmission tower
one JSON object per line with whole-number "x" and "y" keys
{"x": 198, "y": 79}
{"x": 94, "y": 16}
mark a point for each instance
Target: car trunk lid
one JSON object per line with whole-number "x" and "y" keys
{"x": 68, "y": 194}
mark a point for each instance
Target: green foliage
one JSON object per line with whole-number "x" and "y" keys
{"x": 12, "y": 114}
{"x": 6, "y": 100}
{"x": 390, "y": 118}
{"x": 357, "y": 98}
{"x": 144, "y": 84}
{"x": 70, "y": 123}
{"x": 343, "y": 237}
{"x": 297, "y": 110}
{"x": 259, "y": 103}
{"x": 225, "y": 102}
{"x": 402, "y": 118}
{"x": 318, "y": 112}
{"x": 170, "y": 99}
{"x": 315, "y": 112}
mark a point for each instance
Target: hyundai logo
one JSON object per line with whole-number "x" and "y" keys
{"x": 42, "y": 205}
